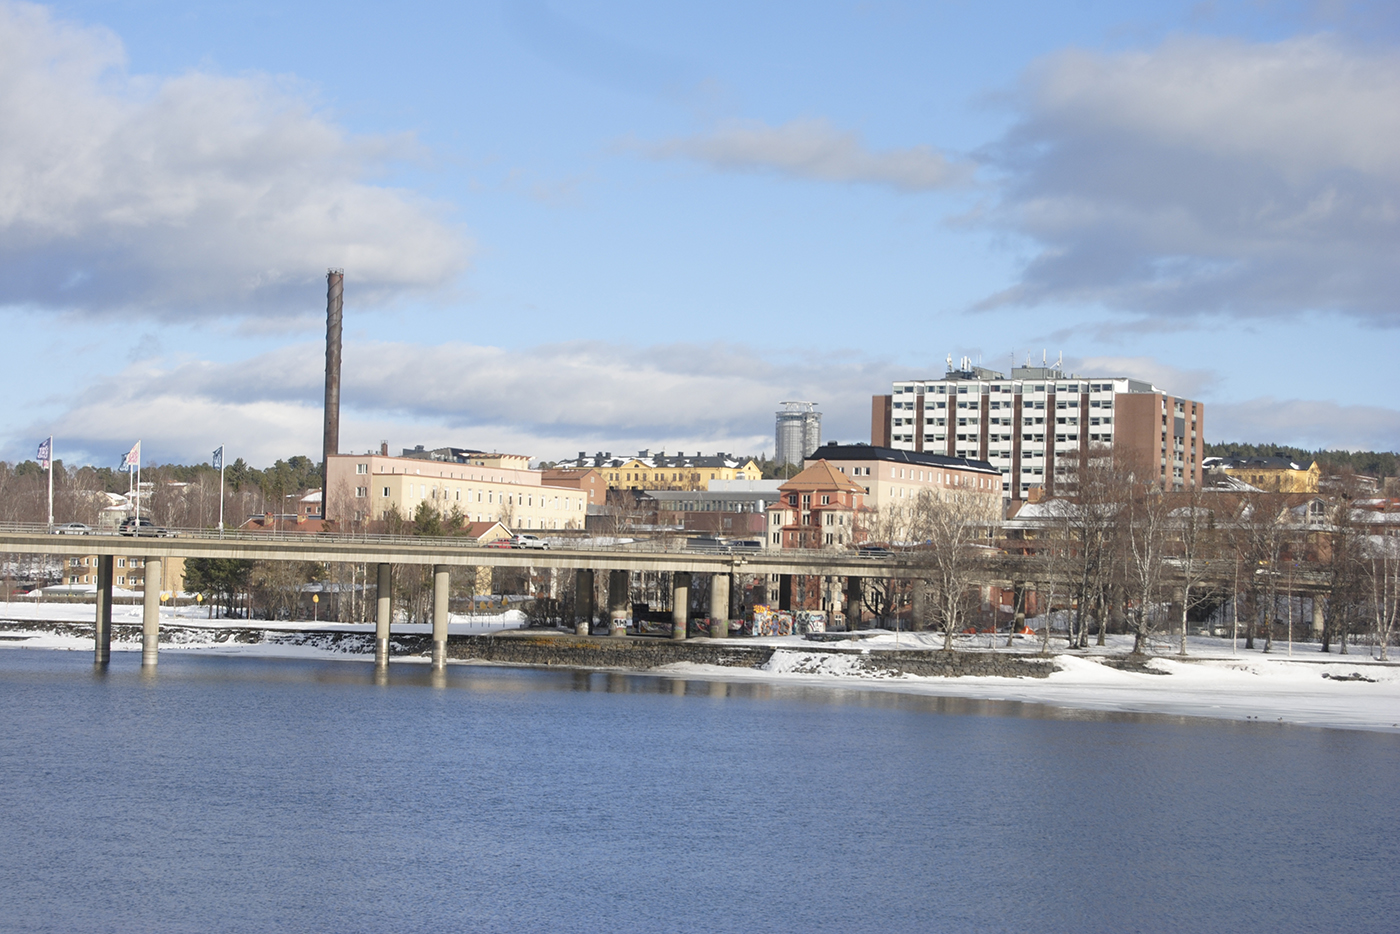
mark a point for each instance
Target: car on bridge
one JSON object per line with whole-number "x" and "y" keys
{"x": 144, "y": 528}
{"x": 527, "y": 541}
{"x": 72, "y": 528}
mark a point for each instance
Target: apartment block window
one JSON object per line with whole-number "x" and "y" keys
{"x": 361, "y": 491}
{"x": 362, "y": 468}
{"x": 826, "y": 500}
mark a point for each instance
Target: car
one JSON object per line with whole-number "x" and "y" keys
{"x": 500, "y": 543}
{"x": 142, "y": 527}
{"x": 72, "y": 528}
{"x": 527, "y": 541}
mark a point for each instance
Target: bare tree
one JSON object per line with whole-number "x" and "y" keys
{"x": 1192, "y": 547}
{"x": 951, "y": 528}
{"x": 1144, "y": 525}
{"x": 1383, "y": 571}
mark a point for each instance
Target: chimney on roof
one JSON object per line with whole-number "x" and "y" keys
{"x": 384, "y": 448}
{"x": 330, "y": 440}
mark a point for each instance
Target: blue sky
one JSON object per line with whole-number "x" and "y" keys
{"x": 610, "y": 226}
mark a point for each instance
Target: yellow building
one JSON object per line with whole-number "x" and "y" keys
{"x": 676, "y": 471}
{"x": 1272, "y": 474}
{"x": 127, "y": 573}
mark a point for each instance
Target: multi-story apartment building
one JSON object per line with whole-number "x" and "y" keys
{"x": 370, "y": 486}
{"x": 1035, "y": 427}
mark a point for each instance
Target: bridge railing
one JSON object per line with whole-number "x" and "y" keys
{"x": 668, "y": 545}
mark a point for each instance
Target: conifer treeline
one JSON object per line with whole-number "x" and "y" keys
{"x": 1370, "y": 463}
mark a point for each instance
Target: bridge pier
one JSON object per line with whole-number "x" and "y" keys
{"x": 680, "y": 603}
{"x": 852, "y": 604}
{"x": 102, "y": 632}
{"x": 618, "y": 606}
{"x": 442, "y": 581}
{"x": 383, "y": 614}
{"x": 719, "y": 606}
{"x": 150, "y": 613}
{"x": 583, "y": 601}
{"x": 1018, "y": 610}
{"x": 785, "y": 591}
{"x": 1319, "y": 606}
{"x": 918, "y": 606}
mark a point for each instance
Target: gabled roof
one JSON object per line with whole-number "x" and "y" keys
{"x": 821, "y": 476}
{"x": 485, "y": 531}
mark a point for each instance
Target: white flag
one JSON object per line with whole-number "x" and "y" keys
{"x": 133, "y": 457}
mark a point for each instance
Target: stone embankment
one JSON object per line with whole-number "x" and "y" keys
{"x": 640, "y": 654}
{"x": 552, "y": 649}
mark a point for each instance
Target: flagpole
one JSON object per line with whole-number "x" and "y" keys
{"x": 221, "y": 491}
{"x": 50, "y": 481}
{"x": 138, "y": 483}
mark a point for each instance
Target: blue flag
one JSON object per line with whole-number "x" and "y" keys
{"x": 45, "y": 452}
{"x": 219, "y": 458}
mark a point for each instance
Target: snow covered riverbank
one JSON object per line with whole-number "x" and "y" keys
{"x": 1216, "y": 680}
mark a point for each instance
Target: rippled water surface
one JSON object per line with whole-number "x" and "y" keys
{"x": 237, "y": 794}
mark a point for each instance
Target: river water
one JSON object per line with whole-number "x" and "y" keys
{"x": 248, "y": 794}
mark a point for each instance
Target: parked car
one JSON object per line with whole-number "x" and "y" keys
{"x": 142, "y": 527}
{"x": 72, "y": 528}
{"x": 527, "y": 541}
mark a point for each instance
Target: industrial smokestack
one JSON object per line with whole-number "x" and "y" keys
{"x": 330, "y": 442}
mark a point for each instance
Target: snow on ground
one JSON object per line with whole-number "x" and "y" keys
{"x": 1258, "y": 687}
{"x": 1217, "y": 679}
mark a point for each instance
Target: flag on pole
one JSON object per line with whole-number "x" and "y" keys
{"x": 133, "y": 457}
{"x": 45, "y": 452}
{"x": 219, "y": 458}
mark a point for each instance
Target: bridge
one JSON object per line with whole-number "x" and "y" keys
{"x": 619, "y": 561}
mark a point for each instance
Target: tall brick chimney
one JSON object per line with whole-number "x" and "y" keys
{"x": 330, "y": 442}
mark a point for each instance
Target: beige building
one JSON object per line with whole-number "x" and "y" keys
{"x": 369, "y": 486}
{"x": 893, "y": 479}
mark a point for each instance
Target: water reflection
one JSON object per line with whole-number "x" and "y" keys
{"x": 511, "y": 680}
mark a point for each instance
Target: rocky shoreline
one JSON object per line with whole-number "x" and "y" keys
{"x": 546, "y": 649}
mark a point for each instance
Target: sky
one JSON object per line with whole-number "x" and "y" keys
{"x": 610, "y": 226}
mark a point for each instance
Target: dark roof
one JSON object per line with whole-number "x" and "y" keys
{"x": 870, "y": 452}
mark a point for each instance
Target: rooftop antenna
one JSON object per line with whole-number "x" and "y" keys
{"x": 950, "y": 363}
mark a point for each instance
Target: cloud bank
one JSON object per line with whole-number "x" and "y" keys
{"x": 188, "y": 196}
{"x": 548, "y": 401}
{"x": 815, "y": 149}
{"x": 1208, "y": 176}
{"x": 551, "y": 401}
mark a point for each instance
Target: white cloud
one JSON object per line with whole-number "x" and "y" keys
{"x": 550, "y": 401}
{"x": 1176, "y": 381}
{"x": 189, "y": 195}
{"x": 814, "y": 149}
{"x": 1209, "y": 175}
{"x": 1304, "y": 423}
